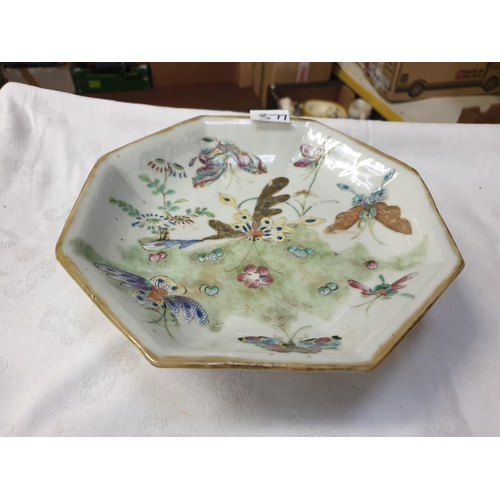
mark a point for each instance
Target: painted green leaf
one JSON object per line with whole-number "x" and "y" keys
{"x": 210, "y": 215}
{"x": 174, "y": 208}
{"x": 188, "y": 211}
{"x": 157, "y": 181}
{"x": 150, "y": 185}
{"x": 161, "y": 207}
{"x": 170, "y": 191}
{"x": 112, "y": 200}
{"x": 156, "y": 192}
{"x": 144, "y": 178}
{"x": 180, "y": 200}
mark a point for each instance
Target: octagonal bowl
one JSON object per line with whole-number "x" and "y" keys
{"x": 224, "y": 242}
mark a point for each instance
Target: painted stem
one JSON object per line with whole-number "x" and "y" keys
{"x": 373, "y": 234}
{"x": 244, "y": 201}
{"x": 319, "y": 203}
{"x": 289, "y": 204}
{"x": 262, "y": 259}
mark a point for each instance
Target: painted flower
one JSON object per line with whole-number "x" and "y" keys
{"x": 159, "y": 164}
{"x": 172, "y": 169}
{"x": 152, "y": 222}
{"x": 254, "y": 276}
{"x": 182, "y": 221}
{"x": 304, "y": 192}
{"x": 156, "y": 257}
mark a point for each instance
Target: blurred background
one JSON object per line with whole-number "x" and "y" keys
{"x": 412, "y": 92}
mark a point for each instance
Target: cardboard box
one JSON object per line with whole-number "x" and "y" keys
{"x": 398, "y": 82}
{"x": 474, "y": 115}
{"x": 53, "y": 76}
{"x": 277, "y": 73}
{"x": 245, "y": 74}
{"x": 165, "y": 74}
{"x": 89, "y": 80}
{"x": 334, "y": 91}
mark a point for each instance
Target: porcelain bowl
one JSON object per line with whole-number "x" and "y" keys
{"x": 225, "y": 242}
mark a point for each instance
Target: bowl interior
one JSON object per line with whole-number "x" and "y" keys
{"x": 223, "y": 240}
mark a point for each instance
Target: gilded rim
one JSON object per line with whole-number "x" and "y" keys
{"x": 223, "y": 362}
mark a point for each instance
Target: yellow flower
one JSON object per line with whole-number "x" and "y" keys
{"x": 308, "y": 221}
{"x": 227, "y": 200}
{"x": 282, "y": 223}
{"x": 243, "y": 216}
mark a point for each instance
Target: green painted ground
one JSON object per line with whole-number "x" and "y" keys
{"x": 296, "y": 280}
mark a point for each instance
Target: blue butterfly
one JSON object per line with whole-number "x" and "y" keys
{"x": 160, "y": 294}
{"x": 309, "y": 346}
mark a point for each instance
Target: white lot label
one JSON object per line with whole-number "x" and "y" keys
{"x": 270, "y": 115}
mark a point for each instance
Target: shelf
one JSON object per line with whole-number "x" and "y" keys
{"x": 213, "y": 96}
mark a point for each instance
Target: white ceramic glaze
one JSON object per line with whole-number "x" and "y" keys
{"x": 319, "y": 296}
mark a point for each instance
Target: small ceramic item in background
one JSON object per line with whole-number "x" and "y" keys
{"x": 290, "y": 105}
{"x": 323, "y": 109}
{"x": 359, "y": 110}
{"x": 286, "y": 103}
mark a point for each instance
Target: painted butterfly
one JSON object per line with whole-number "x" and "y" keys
{"x": 160, "y": 294}
{"x": 384, "y": 290}
{"x": 367, "y": 209}
{"x": 312, "y": 156}
{"x": 217, "y": 155}
{"x": 309, "y": 346}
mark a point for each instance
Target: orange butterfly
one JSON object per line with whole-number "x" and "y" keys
{"x": 367, "y": 209}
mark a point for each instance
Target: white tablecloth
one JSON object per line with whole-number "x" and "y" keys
{"x": 66, "y": 370}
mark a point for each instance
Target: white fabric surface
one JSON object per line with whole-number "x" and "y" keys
{"x": 66, "y": 370}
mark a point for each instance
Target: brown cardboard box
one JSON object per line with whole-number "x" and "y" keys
{"x": 245, "y": 74}
{"x": 277, "y": 73}
{"x": 408, "y": 81}
{"x": 474, "y": 115}
{"x": 56, "y": 77}
{"x": 165, "y": 74}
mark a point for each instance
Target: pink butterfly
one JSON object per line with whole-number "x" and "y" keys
{"x": 155, "y": 257}
{"x": 312, "y": 156}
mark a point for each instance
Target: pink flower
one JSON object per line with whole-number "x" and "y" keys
{"x": 155, "y": 257}
{"x": 254, "y": 276}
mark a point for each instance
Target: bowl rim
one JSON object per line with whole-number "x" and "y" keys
{"x": 239, "y": 362}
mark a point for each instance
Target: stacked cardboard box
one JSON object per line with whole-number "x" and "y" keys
{"x": 398, "y": 82}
